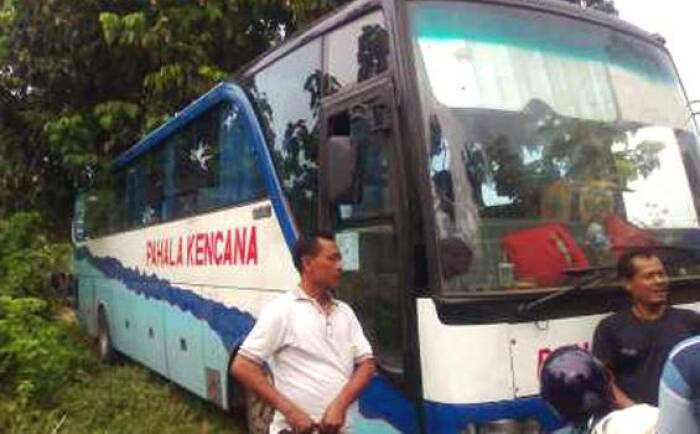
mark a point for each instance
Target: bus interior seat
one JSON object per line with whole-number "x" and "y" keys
{"x": 541, "y": 254}
{"x": 490, "y": 248}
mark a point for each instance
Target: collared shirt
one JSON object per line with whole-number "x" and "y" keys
{"x": 312, "y": 352}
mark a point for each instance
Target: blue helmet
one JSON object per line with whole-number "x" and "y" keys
{"x": 576, "y": 384}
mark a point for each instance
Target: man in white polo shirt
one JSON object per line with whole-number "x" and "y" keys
{"x": 314, "y": 344}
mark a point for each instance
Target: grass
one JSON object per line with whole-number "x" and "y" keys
{"x": 120, "y": 398}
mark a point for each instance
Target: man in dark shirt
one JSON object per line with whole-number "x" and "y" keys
{"x": 635, "y": 342}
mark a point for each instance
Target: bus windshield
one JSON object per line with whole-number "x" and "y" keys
{"x": 554, "y": 146}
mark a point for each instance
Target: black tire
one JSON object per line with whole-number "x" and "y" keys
{"x": 258, "y": 413}
{"x": 103, "y": 344}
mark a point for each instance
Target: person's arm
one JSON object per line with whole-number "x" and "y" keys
{"x": 603, "y": 349}
{"x": 249, "y": 373}
{"x": 264, "y": 340}
{"x": 334, "y": 416}
{"x": 620, "y": 398}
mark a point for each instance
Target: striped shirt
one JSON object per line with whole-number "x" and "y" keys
{"x": 679, "y": 391}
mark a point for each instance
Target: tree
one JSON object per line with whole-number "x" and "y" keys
{"x": 82, "y": 80}
{"x": 606, "y": 6}
{"x": 306, "y": 11}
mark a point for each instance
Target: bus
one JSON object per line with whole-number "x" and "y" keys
{"x": 482, "y": 163}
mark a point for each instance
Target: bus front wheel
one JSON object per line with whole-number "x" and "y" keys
{"x": 103, "y": 345}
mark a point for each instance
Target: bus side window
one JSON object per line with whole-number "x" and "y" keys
{"x": 357, "y": 51}
{"x": 168, "y": 157}
{"x": 154, "y": 179}
{"x": 134, "y": 196}
{"x": 287, "y": 94}
{"x": 373, "y": 200}
{"x": 204, "y": 161}
{"x": 240, "y": 179}
{"x": 366, "y": 236}
{"x": 205, "y": 165}
{"x": 101, "y": 207}
{"x": 196, "y": 165}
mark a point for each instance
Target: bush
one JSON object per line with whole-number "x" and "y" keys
{"x": 27, "y": 258}
{"x": 38, "y": 355}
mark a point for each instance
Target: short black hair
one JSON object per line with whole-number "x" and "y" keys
{"x": 307, "y": 245}
{"x": 625, "y": 265}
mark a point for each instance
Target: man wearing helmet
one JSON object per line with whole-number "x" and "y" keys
{"x": 579, "y": 388}
{"x": 635, "y": 342}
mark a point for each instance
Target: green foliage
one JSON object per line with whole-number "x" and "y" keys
{"x": 68, "y": 136}
{"x": 37, "y": 355}
{"x": 567, "y": 150}
{"x": 47, "y": 376}
{"x": 124, "y": 30}
{"x": 119, "y": 399}
{"x": 27, "y": 258}
{"x": 81, "y": 81}
{"x": 309, "y": 10}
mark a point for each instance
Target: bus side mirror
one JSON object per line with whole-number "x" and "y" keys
{"x": 77, "y": 232}
{"x": 344, "y": 186}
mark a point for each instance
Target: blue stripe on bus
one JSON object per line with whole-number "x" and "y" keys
{"x": 453, "y": 418}
{"x": 381, "y": 400}
{"x": 232, "y": 325}
{"x": 233, "y": 93}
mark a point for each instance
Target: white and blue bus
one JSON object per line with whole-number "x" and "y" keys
{"x": 483, "y": 164}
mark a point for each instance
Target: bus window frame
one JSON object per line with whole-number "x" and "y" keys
{"x": 133, "y": 156}
{"x": 379, "y": 88}
{"x": 465, "y": 309}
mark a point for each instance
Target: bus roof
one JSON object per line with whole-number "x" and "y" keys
{"x": 192, "y": 111}
{"x": 360, "y": 7}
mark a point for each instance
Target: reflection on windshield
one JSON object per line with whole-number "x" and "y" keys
{"x": 530, "y": 197}
{"x": 546, "y": 157}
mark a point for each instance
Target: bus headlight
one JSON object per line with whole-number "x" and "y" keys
{"x": 504, "y": 426}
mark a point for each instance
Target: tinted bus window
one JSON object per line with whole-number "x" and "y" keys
{"x": 197, "y": 158}
{"x": 240, "y": 178}
{"x": 207, "y": 164}
{"x": 102, "y": 208}
{"x": 357, "y": 51}
{"x": 153, "y": 186}
{"x": 169, "y": 182}
{"x": 134, "y": 200}
{"x": 373, "y": 165}
{"x": 289, "y": 114}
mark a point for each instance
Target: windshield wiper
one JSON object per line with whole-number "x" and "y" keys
{"x": 588, "y": 277}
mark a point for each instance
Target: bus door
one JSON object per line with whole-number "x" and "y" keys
{"x": 361, "y": 201}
